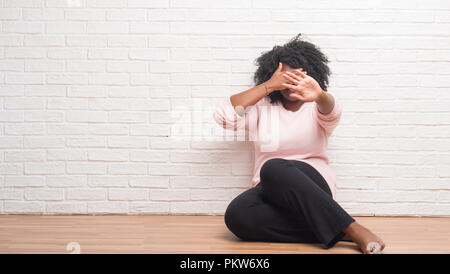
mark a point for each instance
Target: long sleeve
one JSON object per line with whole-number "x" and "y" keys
{"x": 329, "y": 121}
{"x": 226, "y": 116}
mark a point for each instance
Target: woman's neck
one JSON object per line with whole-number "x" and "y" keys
{"x": 292, "y": 105}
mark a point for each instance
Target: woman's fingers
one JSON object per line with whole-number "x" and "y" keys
{"x": 298, "y": 89}
{"x": 280, "y": 66}
{"x": 296, "y": 96}
{"x": 291, "y": 78}
{"x": 295, "y": 76}
{"x": 300, "y": 73}
{"x": 289, "y": 86}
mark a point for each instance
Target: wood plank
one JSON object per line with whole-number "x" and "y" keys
{"x": 196, "y": 234}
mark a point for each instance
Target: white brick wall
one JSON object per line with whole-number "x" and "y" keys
{"x": 90, "y": 89}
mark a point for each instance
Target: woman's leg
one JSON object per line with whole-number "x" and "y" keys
{"x": 294, "y": 186}
{"x": 252, "y": 218}
{"x": 366, "y": 240}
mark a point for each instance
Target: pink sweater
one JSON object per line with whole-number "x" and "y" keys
{"x": 280, "y": 133}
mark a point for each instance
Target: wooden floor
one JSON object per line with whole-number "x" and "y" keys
{"x": 196, "y": 234}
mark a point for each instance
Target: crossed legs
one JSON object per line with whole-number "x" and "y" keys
{"x": 293, "y": 203}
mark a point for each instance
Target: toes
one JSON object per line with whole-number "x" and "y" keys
{"x": 373, "y": 248}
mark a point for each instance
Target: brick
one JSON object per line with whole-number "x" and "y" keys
{"x": 149, "y": 156}
{"x": 44, "y": 194}
{"x": 125, "y": 66}
{"x": 169, "y": 195}
{"x": 69, "y": 154}
{"x": 150, "y": 130}
{"x": 66, "y": 181}
{"x": 127, "y": 194}
{"x": 24, "y": 181}
{"x": 11, "y": 40}
{"x": 23, "y": 207}
{"x": 116, "y": 207}
{"x": 67, "y": 104}
{"x": 43, "y": 116}
{"x": 148, "y": 4}
{"x": 105, "y": 129}
{"x": 25, "y": 78}
{"x": 86, "y": 116}
{"x": 168, "y": 169}
{"x": 128, "y": 92}
{"x": 47, "y": 14}
{"x": 87, "y": 91}
{"x": 127, "y": 142}
{"x": 208, "y": 194}
{"x": 108, "y": 155}
{"x": 109, "y": 54}
{"x": 65, "y": 27}
{"x": 86, "y": 142}
{"x": 126, "y": 15}
{"x": 190, "y": 207}
{"x": 84, "y": 15}
{"x": 18, "y": 129}
{"x": 106, "y": 3}
{"x": 11, "y": 194}
{"x": 86, "y": 40}
{"x": 127, "y": 117}
{"x": 10, "y": 142}
{"x": 134, "y": 168}
{"x": 24, "y": 156}
{"x": 86, "y": 168}
{"x": 107, "y": 181}
{"x": 149, "y": 207}
{"x": 127, "y": 41}
{"x": 149, "y": 181}
{"x": 67, "y": 78}
{"x": 86, "y": 194}
{"x": 11, "y": 116}
{"x": 107, "y": 27}
{"x": 44, "y": 40}
{"x": 23, "y": 27}
{"x": 67, "y": 53}
{"x": 39, "y": 65}
{"x": 45, "y": 168}
{"x": 43, "y": 142}
{"x": 109, "y": 79}
{"x": 66, "y": 207}
{"x": 66, "y": 129}
{"x": 45, "y": 91}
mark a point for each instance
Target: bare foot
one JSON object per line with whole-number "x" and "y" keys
{"x": 364, "y": 238}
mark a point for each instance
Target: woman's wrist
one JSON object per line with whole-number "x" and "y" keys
{"x": 269, "y": 87}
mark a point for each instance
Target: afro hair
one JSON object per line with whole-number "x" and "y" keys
{"x": 297, "y": 53}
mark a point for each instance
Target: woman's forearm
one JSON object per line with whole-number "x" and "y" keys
{"x": 325, "y": 103}
{"x": 251, "y": 96}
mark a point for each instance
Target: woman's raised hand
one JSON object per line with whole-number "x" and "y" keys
{"x": 304, "y": 87}
{"x": 278, "y": 79}
{"x": 275, "y": 82}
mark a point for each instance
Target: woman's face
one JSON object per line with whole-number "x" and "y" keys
{"x": 285, "y": 92}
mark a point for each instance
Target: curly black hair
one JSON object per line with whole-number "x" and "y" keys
{"x": 297, "y": 53}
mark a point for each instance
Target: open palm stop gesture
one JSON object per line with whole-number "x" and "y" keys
{"x": 303, "y": 86}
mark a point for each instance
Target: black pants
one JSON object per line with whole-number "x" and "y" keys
{"x": 292, "y": 203}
